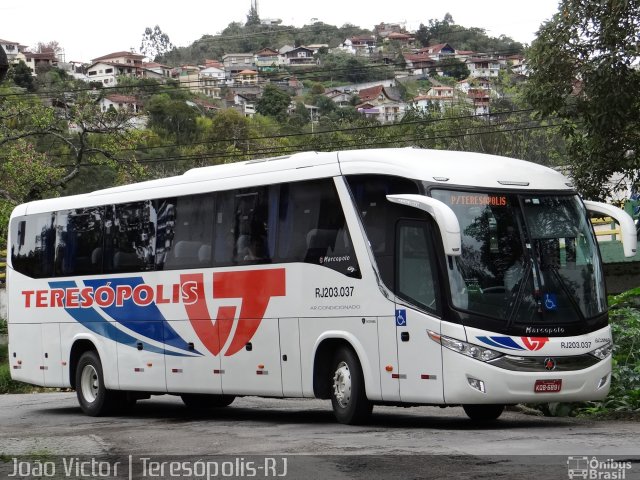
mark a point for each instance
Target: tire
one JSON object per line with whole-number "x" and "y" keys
{"x": 201, "y": 401}
{"x": 348, "y": 395}
{"x": 94, "y": 398}
{"x": 483, "y": 413}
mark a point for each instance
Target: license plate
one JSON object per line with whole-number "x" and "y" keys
{"x": 547, "y": 386}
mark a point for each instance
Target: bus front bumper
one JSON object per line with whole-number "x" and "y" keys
{"x": 470, "y": 381}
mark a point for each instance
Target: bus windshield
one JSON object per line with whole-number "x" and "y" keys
{"x": 525, "y": 258}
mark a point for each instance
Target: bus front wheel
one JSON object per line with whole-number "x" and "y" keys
{"x": 94, "y": 398}
{"x": 348, "y": 396}
{"x": 483, "y": 413}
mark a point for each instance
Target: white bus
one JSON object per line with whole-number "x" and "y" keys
{"x": 370, "y": 277}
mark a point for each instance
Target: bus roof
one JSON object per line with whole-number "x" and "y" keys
{"x": 435, "y": 166}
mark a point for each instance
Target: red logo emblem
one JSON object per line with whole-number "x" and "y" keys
{"x": 534, "y": 343}
{"x": 253, "y": 287}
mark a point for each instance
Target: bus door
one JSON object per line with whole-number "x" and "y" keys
{"x": 419, "y": 357}
{"x": 290, "y": 357}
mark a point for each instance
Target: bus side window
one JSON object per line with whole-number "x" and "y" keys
{"x": 130, "y": 237}
{"x": 254, "y": 225}
{"x": 33, "y": 245}
{"x": 185, "y": 231}
{"x": 312, "y": 227}
{"x": 224, "y": 238}
{"x": 79, "y": 241}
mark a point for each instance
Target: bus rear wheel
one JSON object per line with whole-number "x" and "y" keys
{"x": 94, "y": 398}
{"x": 201, "y": 401}
{"x": 483, "y": 413}
{"x": 348, "y": 396}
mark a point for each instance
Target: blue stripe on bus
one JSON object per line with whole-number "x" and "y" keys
{"x": 91, "y": 319}
{"x": 141, "y": 319}
{"x": 501, "y": 342}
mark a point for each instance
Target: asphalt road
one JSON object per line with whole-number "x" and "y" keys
{"x": 412, "y": 443}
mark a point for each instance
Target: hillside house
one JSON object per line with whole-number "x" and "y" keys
{"x": 35, "y": 60}
{"x": 188, "y": 76}
{"x": 339, "y": 97}
{"x": 480, "y": 100}
{"x": 211, "y": 81}
{"x": 437, "y": 98}
{"x": 234, "y": 63}
{"x": 404, "y": 39}
{"x": 246, "y": 77}
{"x": 383, "y": 30}
{"x": 381, "y": 103}
{"x": 267, "y": 60}
{"x": 107, "y": 68}
{"x": 13, "y": 50}
{"x": 156, "y": 70}
{"x": 359, "y": 45}
{"x": 483, "y": 67}
{"x": 419, "y": 63}
{"x": 299, "y": 57}
{"x": 438, "y": 52}
{"x": 125, "y": 103}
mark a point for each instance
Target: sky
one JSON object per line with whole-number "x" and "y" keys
{"x": 86, "y": 30}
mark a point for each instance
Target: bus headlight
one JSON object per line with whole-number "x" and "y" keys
{"x": 473, "y": 351}
{"x": 603, "y": 351}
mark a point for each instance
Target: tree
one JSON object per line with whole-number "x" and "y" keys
{"x": 455, "y": 68}
{"x": 43, "y": 154}
{"x": 273, "y": 103}
{"x": 22, "y": 76}
{"x": 583, "y": 70}
{"x": 252, "y": 17}
{"x": 155, "y": 42}
{"x": 173, "y": 117}
{"x": 49, "y": 47}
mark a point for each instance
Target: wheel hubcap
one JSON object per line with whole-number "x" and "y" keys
{"x": 89, "y": 383}
{"x": 342, "y": 385}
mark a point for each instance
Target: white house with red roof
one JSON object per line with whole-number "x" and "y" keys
{"x": 382, "y": 103}
{"x": 107, "y": 68}
{"x": 437, "y": 97}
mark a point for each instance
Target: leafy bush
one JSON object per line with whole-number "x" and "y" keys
{"x": 624, "y": 396}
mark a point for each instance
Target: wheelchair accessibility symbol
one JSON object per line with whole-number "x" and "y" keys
{"x": 550, "y": 301}
{"x": 401, "y": 318}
